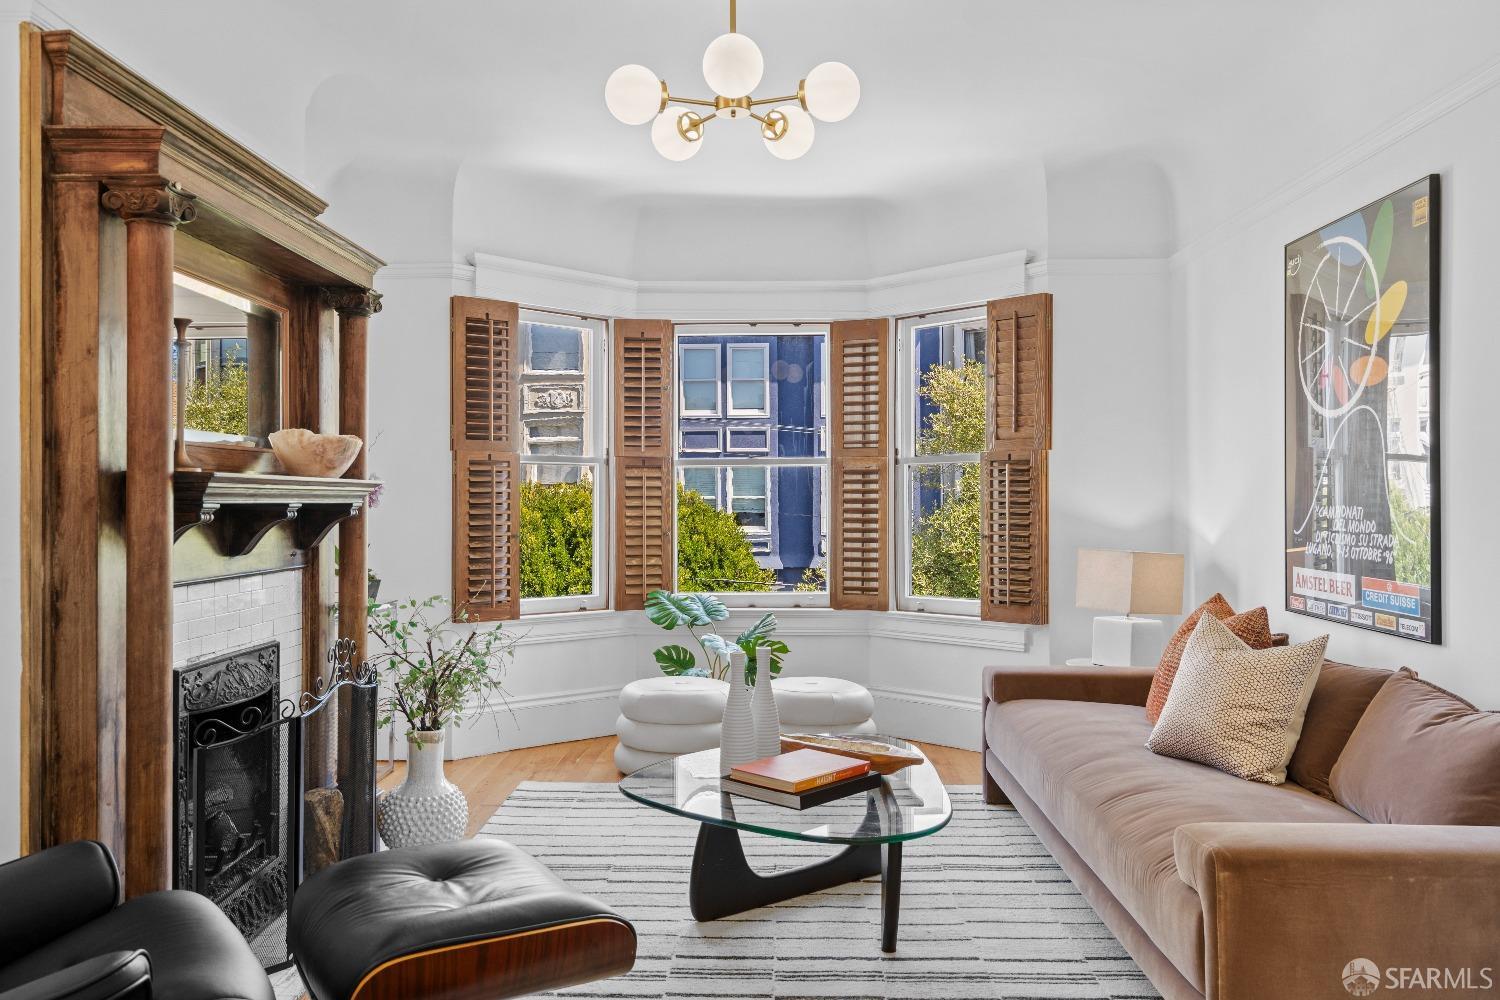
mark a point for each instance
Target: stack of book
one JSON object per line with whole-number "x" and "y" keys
{"x": 801, "y": 779}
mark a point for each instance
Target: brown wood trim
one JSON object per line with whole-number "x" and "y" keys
{"x": 354, "y": 325}
{"x": 859, "y": 373}
{"x": 33, "y": 734}
{"x": 511, "y": 965}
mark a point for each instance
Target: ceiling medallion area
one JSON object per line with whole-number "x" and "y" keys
{"x": 732, "y": 65}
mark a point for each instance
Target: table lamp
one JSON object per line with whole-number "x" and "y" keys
{"x": 1129, "y": 584}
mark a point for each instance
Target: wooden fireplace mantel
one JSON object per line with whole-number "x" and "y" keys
{"x": 239, "y": 508}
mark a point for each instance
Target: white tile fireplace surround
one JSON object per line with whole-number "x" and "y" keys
{"x": 216, "y": 616}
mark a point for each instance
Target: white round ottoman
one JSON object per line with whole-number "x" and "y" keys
{"x": 663, "y": 717}
{"x": 823, "y": 705}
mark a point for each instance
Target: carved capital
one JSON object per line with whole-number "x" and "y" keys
{"x": 352, "y": 301}
{"x": 149, "y": 199}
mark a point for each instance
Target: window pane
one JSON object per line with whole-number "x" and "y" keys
{"x": 771, "y": 537}
{"x": 700, "y": 440}
{"x": 555, "y": 380}
{"x": 747, "y": 440}
{"x": 704, "y": 482}
{"x": 945, "y": 531}
{"x": 554, "y": 348}
{"x": 949, "y": 387}
{"x": 748, "y": 396}
{"x": 557, "y": 530}
{"x": 747, "y": 362}
{"x": 700, "y": 363}
{"x": 699, "y": 397}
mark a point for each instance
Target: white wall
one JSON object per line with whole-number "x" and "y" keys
{"x": 1228, "y": 295}
{"x": 10, "y": 438}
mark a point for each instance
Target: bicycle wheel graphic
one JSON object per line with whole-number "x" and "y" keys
{"x": 1327, "y": 345}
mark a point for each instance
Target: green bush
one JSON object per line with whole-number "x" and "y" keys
{"x": 557, "y": 539}
{"x": 713, "y": 554}
{"x": 945, "y": 543}
{"x": 221, "y": 402}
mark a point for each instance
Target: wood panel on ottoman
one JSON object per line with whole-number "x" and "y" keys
{"x": 469, "y": 920}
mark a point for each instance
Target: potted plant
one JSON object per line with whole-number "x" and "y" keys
{"x": 698, "y": 611}
{"x": 432, "y": 674}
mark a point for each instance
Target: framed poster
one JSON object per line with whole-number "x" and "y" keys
{"x": 1362, "y": 418}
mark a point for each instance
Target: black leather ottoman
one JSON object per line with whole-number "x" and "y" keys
{"x": 460, "y": 921}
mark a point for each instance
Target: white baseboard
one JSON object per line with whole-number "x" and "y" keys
{"x": 928, "y": 718}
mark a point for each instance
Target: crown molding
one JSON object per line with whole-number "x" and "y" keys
{"x": 1096, "y": 267}
{"x": 1373, "y": 143}
{"x": 426, "y": 270}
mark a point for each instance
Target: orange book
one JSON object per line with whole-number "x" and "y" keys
{"x": 800, "y": 770}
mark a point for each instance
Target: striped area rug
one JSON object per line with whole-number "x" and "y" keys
{"x": 985, "y": 912}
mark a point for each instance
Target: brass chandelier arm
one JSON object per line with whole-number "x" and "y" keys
{"x": 696, "y": 102}
{"x": 757, "y": 102}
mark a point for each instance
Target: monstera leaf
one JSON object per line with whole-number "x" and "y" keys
{"x": 675, "y": 660}
{"x": 761, "y": 635}
{"x": 692, "y": 610}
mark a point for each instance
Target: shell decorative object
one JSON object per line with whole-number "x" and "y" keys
{"x": 763, "y": 703}
{"x": 737, "y": 732}
{"x": 307, "y": 453}
{"x": 426, "y": 808}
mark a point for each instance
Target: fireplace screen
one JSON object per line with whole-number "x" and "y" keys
{"x": 268, "y": 791}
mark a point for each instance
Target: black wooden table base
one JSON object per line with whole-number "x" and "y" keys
{"x": 722, "y": 882}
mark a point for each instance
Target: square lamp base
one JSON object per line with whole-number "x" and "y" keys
{"x": 1121, "y": 641}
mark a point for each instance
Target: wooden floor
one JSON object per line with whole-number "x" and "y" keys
{"x": 488, "y": 780}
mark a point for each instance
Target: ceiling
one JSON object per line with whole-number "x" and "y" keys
{"x": 1231, "y": 100}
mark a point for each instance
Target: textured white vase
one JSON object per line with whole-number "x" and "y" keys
{"x": 427, "y": 808}
{"x": 737, "y": 731}
{"x": 767, "y": 718}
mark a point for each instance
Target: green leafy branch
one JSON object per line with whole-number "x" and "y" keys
{"x": 698, "y": 611}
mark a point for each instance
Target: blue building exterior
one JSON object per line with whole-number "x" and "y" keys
{"x": 743, "y": 397}
{"x": 949, "y": 345}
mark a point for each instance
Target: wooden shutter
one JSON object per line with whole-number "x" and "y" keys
{"x": 486, "y": 459}
{"x": 859, "y": 416}
{"x": 1013, "y": 549}
{"x": 644, "y": 496}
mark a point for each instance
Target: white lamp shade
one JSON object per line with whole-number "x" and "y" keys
{"x": 733, "y": 65}
{"x": 799, "y": 135}
{"x": 831, "y": 92}
{"x": 633, "y": 94}
{"x": 1124, "y": 582}
{"x": 668, "y": 141}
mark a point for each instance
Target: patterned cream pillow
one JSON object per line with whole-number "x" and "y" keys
{"x": 1235, "y": 708}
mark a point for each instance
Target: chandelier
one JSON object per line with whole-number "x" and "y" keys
{"x": 733, "y": 66}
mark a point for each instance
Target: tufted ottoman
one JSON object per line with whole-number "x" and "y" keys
{"x": 823, "y": 705}
{"x": 663, "y": 717}
{"x": 463, "y": 920}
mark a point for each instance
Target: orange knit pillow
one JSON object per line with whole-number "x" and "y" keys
{"x": 1253, "y": 628}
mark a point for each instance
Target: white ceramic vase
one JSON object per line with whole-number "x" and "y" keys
{"x": 737, "y": 731}
{"x": 427, "y": 808}
{"x": 767, "y": 718}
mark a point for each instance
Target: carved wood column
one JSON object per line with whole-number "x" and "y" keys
{"x": 152, "y": 209}
{"x": 355, "y": 306}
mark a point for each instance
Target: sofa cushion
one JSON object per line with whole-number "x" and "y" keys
{"x": 195, "y": 952}
{"x": 1235, "y": 708}
{"x": 1253, "y": 627}
{"x": 1339, "y": 699}
{"x": 1421, "y": 755}
{"x": 1086, "y": 766}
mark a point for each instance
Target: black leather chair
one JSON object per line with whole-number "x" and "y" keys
{"x": 469, "y": 920}
{"x": 64, "y": 933}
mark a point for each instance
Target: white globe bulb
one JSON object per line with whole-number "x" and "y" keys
{"x": 633, "y": 94}
{"x": 799, "y": 134}
{"x": 733, "y": 65}
{"x": 668, "y": 141}
{"x": 831, "y": 92}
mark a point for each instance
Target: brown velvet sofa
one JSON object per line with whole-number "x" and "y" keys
{"x": 1218, "y": 887}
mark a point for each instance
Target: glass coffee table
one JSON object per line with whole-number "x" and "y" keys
{"x": 874, "y": 824}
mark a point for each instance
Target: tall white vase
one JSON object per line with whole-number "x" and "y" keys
{"x": 426, "y": 808}
{"x": 737, "y": 732}
{"x": 767, "y": 718}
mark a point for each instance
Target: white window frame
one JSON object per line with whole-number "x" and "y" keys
{"x": 682, "y": 444}
{"x": 729, "y": 433}
{"x": 596, "y": 458}
{"x": 823, "y": 462}
{"x": 718, "y": 381}
{"x": 765, "y": 380}
{"x": 907, "y": 460}
{"x": 730, "y": 496}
